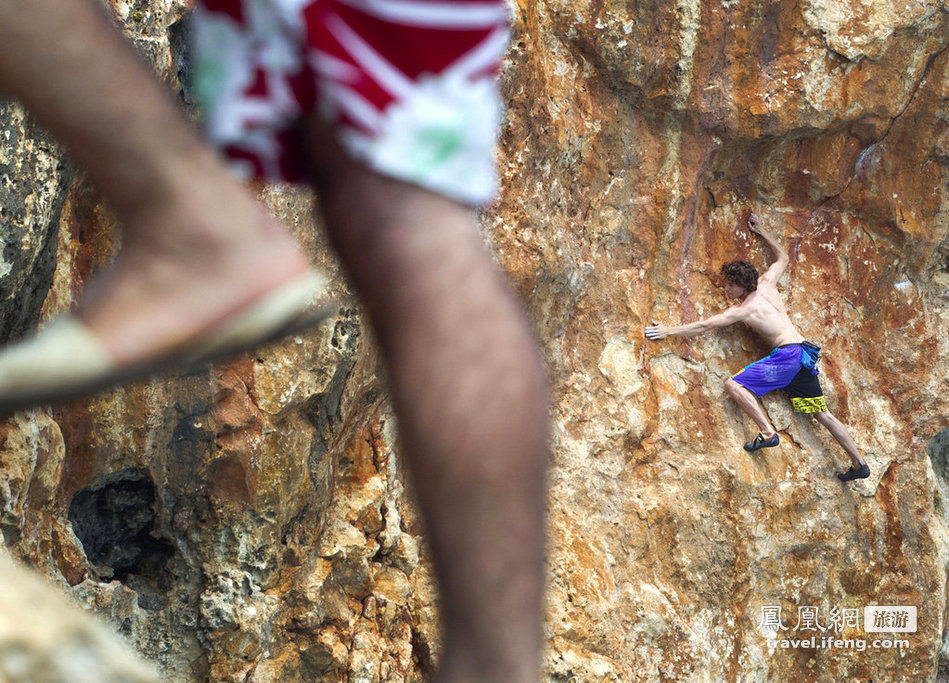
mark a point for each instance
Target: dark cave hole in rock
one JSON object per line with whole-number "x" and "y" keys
{"x": 114, "y": 519}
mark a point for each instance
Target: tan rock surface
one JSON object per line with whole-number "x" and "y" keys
{"x": 638, "y": 137}
{"x": 44, "y": 638}
{"x": 250, "y": 521}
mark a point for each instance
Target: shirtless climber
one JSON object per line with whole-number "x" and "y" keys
{"x": 791, "y": 366}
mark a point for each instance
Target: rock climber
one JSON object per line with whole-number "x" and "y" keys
{"x": 791, "y": 366}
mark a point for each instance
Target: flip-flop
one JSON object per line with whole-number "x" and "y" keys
{"x": 861, "y": 472}
{"x": 65, "y": 360}
{"x": 761, "y": 442}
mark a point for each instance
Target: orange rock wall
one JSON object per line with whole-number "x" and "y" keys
{"x": 639, "y": 136}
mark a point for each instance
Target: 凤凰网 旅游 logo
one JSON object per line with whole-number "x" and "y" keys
{"x": 876, "y": 619}
{"x": 837, "y": 627}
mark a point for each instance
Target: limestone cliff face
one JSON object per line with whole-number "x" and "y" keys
{"x": 249, "y": 522}
{"x": 639, "y": 135}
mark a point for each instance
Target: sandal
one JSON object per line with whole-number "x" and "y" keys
{"x": 65, "y": 360}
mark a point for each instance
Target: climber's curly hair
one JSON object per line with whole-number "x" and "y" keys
{"x": 741, "y": 273}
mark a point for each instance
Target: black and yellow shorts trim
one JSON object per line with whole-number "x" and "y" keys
{"x": 805, "y": 393}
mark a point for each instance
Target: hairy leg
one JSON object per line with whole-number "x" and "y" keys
{"x": 470, "y": 394}
{"x": 750, "y": 406}
{"x": 190, "y": 233}
{"x": 839, "y": 431}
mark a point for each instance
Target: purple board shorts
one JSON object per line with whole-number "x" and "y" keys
{"x": 784, "y": 369}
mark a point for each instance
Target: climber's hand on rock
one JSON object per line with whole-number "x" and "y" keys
{"x": 656, "y": 331}
{"x": 754, "y": 223}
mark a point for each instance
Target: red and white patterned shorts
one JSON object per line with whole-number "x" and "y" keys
{"x": 410, "y": 85}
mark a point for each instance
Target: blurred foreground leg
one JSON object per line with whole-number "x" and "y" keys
{"x": 470, "y": 395}
{"x": 197, "y": 250}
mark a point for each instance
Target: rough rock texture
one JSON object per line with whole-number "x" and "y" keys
{"x": 249, "y": 522}
{"x": 34, "y": 179}
{"x": 639, "y": 135}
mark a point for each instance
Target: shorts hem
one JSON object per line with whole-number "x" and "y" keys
{"x": 815, "y": 404}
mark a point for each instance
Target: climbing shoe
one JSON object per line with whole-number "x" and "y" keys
{"x": 761, "y": 442}
{"x": 861, "y": 472}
